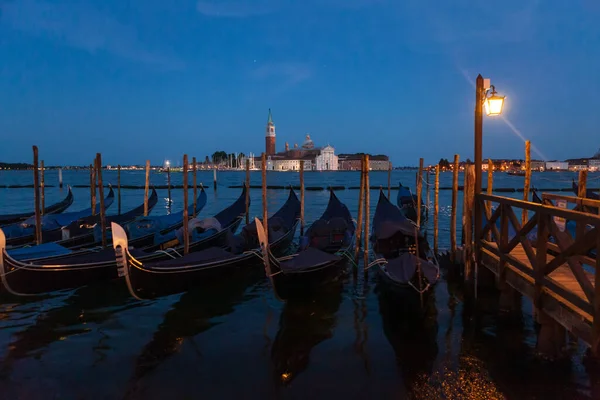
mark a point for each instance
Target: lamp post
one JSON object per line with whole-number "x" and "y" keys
{"x": 493, "y": 106}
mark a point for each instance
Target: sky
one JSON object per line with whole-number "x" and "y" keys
{"x": 153, "y": 79}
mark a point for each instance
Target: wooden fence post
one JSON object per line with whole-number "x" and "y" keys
{"x": 469, "y": 194}
{"x": 195, "y": 183}
{"x": 453, "y": 211}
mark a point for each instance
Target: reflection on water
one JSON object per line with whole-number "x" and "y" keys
{"x": 303, "y": 324}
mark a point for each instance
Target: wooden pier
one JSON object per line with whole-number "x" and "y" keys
{"x": 544, "y": 262}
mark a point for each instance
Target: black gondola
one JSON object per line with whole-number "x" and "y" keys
{"x": 395, "y": 241}
{"x": 81, "y": 268}
{"x": 322, "y": 252}
{"x": 56, "y": 208}
{"x": 152, "y": 279}
{"x": 590, "y": 194}
{"x": 86, "y": 231}
{"x": 23, "y": 233}
{"x": 407, "y": 202}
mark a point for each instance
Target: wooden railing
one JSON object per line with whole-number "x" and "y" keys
{"x": 556, "y": 266}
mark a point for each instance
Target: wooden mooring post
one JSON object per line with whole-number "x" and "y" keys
{"x": 419, "y": 192}
{"x": 169, "y": 185}
{"x": 215, "y": 178}
{"x": 453, "y": 210}
{"x": 527, "y": 184}
{"x": 147, "y": 188}
{"x": 469, "y": 194}
{"x": 60, "y": 179}
{"x": 367, "y": 217}
{"x": 119, "y": 186}
{"x": 263, "y": 172}
{"x": 490, "y": 187}
{"x": 389, "y": 179}
{"x": 427, "y": 198}
{"x": 101, "y": 195}
{"x": 186, "y": 234}
{"x": 93, "y": 187}
{"x": 436, "y": 208}
{"x": 301, "y": 197}
{"x": 36, "y": 197}
{"x": 195, "y": 183}
{"x": 361, "y": 199}
{"x": 247, "y": 191}
{"x": 42, "y": 189}
{"x": 582, "y": 194}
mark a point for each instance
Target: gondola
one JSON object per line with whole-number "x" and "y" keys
{"x": 395, "y": 241}
{"x": 152, "y": 279}
{"x": 23, "y": 233}
{"x": 407, "y": 202}
{"x": 77, "y": 269}
{"x": 56, "y": 208}
{"x": 590, "y": 194}
{"x": 515, "y": 173}
{"x": 321, "y": 255}
{"x": 88, "y": 232}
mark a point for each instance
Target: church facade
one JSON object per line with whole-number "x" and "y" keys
{"x": 314, "y": 158}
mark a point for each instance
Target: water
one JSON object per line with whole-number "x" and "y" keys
{"x": 235, "y": 340}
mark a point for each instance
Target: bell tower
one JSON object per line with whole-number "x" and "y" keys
{"x": 270, "y": 136}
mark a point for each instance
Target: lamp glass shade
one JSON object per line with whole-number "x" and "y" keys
{"x": 493, "y": 105}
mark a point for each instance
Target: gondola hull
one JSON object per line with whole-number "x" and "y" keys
{"x": 53, "y": 209}
{"x": 149, "y": 283}
{"x": 72, "y": 271}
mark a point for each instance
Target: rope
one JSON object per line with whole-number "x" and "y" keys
{"x": 168, "y": 253}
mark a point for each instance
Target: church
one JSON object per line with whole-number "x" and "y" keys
{"x": 315, "y": 158}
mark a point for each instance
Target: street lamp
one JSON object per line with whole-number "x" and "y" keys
{"x": 494, "y": 103}
{"x": 493, "y": 106}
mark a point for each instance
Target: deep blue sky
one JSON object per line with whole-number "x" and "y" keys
{"x": 154, "y": 79}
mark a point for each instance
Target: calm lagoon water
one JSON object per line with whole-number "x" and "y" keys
{"x": 235, "y": 340}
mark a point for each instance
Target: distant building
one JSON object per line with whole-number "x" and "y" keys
{"x": 270, "y": 136}
{"x": 557, "y": 166}
{"x": 537, "y": 165}
{"x": 352, "y": 162}
{"x": 594, "y": 164}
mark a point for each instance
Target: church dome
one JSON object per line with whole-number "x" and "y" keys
{"x": 308, "y": 143}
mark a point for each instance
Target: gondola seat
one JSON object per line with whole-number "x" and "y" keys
{"x": 307, "y": 259}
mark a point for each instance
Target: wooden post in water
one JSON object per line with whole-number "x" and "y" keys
{"x": 389, "y": 179}
{"x": 195, "y": 183}
{"x": 60, "y": 180}
{"x": 42, "y": 189}
{"x": 582, "y": 193}
{"x": 186, "y": 235}
{"x": 119, "y": 186}
{"x": 301, "y": 197}
{"x": 527, "y": 184}
{"x": 419, "y": 192}
{"x": 427, "y": 197}
{"x": 93, "y": 187}
{"x": 147, "y": 188}
{"x": 215, "y": 178}
{"x": 101, "y": 194}
{"x": 169, "y": 184}
{"x": 247, "y": 191}
{"x": 361, "y": 199}
{"x": 367, "y": 216}
{"x": 490, "y": 188}
{"x": 436, "y": 208}
{"x": 264, "y": 194}
{"x": 468, "y": 221}
{"x": 582, "y": 184}
{"x": 36, "y": 197}
{"x": 453, "y": 211}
